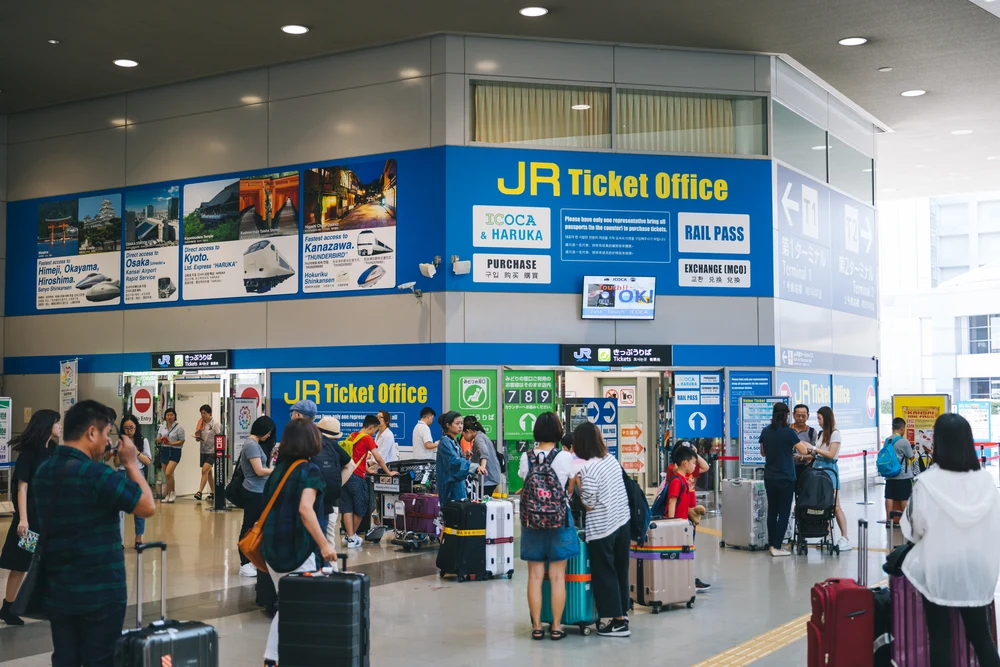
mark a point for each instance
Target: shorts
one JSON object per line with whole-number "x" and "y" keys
{"x": 208, "y": 458}
{"x": 168, "y": 454}
{"x": 354, "y": 497}
{"x": 898, "y": 489}
{"x": 550, "y": 545}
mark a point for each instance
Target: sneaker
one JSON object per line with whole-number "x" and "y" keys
{"x": 844, "y": 544}
{"x": 345, "y": 540}
{"x": 171, "y": 497}
{"x": 779, "y": 553}
{"x": 355, "y": 542}
{"x": 248, "y": 570}
{"x": 614, "y": 629}
{"x": 701, "y": 587}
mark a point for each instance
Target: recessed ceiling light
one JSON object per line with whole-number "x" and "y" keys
{"x": 533, "y": 12}
{"x": 580, "y": 107}
{"x": 961, "y": 133}
{"x": 53, "y": 41}
{"x": 819, "y": 148}
{"x": 888, "y": 189}
{"x": 251, "y": 99}
{"x": 919, "y": 166}
{"x": 853, "y": 41}
{"x": 913, "y": 93}
{"x": 293, "y": 29}
{"x": 409, "y": 73}
{"x": 125, "y": 62}
{"x": 885, "y": 70}
{"x": 118, "y": 122}
{"x": 993, "y": 157}
{"x": 486, "y": 66}
{"x": 867, "y": 171}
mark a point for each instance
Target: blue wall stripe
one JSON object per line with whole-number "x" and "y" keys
{"x": 378, "y": 356}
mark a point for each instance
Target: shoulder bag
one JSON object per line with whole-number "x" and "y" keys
{"x": 251, "y": 543}
{"x": 234, "y": 490}
{"x": 29, "y": 601}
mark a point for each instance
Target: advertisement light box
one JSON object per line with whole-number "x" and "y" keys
{"x": 618, "y": 298}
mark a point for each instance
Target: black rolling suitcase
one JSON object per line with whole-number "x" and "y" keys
{"x": 165, "y": 642}
{"x": 463, "y": 540}
{"x": 323, "y": 619}
{"x": 264, "y": 594}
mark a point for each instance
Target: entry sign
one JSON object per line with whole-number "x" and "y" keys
{"x": 755, "y": 414}
{"x": 142, "y": 403}
{"x": 604, "y": 413}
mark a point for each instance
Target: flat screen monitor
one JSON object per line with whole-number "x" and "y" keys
{"x": 619, "y": 298}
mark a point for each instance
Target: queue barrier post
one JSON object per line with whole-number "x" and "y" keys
{"x": 864, "y": 468}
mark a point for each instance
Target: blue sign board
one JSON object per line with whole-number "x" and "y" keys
{"x": 604, "y": 413}
{"x": 811, "y": 389}
{"x": 745, "y": 383}
{"x": 350, "y": 396}
{"x": 698, "y": 405}
{"x": 855, "y": 250}
{"x": 854, "y": 401}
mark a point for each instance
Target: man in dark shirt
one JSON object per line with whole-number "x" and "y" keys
{"x": 84, "y": 559}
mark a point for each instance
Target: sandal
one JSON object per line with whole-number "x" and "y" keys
{"x": 538, "y": 634}
{"x": 197, "y": 496}
{"x": 557, "y": 634}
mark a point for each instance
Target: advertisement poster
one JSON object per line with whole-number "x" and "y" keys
{"x": 475, "y": 393}
{"x": 350, "y": 227}
{"x": 618, "y": 298}
{"x": 633, "y": 457}
{"x": 6, "y": 414}
{"x": 755, "y": 414}
{"x": 244, "y": 415}
{"x": 977, "y": 413}
{"x": 698, "y": 409}
{"x": 68, "y": 383}
{"x": 350, "y": 396}
{"x": 920, "y": 413}
{"x": 745, "y": 383}
{"x": 241, "y": 237}
{"x": 152, "y": 237}
{"x": 79, "y": 252}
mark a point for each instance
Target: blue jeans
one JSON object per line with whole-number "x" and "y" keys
{"x": 86, "y": 640}
{"x": 140, "y": 525}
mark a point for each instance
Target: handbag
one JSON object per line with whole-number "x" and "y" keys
{"x": 29, "y": 601}
{"x": 894, "y": 561}
{"x": 234, "y": 489}
{"x": 251, "y": 543}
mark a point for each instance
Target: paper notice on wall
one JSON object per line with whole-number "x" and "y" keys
{"x": 152, "y": 235}
{"x": 68, "y": 384}
{"x": 241, "y": 237}
{"x": 79, "y": 252}
{"x": 350, "y": 227}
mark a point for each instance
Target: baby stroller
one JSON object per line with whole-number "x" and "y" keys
{"x": 815, "y": 509}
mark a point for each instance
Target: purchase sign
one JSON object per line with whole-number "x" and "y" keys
{"x": 615, "y": 355}
{"x": 619, "y": 298}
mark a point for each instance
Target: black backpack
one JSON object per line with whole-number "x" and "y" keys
{"x": 638, "y": 510}
{"x": 330, "y": 467}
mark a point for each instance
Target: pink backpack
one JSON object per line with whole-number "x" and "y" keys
{"x": 543, "y": 498}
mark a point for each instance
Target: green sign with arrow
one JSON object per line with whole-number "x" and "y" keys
{"x": 526, "y": 394}
{"x": 475, "y": 393}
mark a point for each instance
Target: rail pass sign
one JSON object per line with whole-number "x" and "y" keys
{"x": 618, "y": 298}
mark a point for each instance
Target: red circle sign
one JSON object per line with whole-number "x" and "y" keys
{"x": 251, "y": 392}
{"x": 143, "y": 401}
{"x": 870, "y": 402}
{"x": 784, "y": 390}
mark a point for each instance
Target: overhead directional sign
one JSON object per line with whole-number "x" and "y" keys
{"x": 604, "y": 413}
{"x": 698, "y": 410}
{"x": 633, "y": 459}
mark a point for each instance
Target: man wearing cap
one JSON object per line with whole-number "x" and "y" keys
{"x": 336, "y": 466}
{"x": 305, "y": 410}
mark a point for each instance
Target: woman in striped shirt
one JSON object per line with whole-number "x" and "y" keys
{"x": 603, "y": 490}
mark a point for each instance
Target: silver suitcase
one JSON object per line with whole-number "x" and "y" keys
{"x": 744, "y": 514}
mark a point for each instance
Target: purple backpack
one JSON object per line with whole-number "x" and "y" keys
{"x": 543, "y": 498}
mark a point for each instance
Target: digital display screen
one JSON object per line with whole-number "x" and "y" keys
{"x": 619, "y": 298}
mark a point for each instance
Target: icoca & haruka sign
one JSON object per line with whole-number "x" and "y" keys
{"x": 511, "y": 227}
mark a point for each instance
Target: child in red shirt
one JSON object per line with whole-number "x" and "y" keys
{"x": 681, "y": 496}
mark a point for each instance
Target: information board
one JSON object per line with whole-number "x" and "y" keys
{"x": 755, "y": 414}
{"x": 604, "y": 413}
{"x": 526, "y": 394}
{"x": 977, "y": 413}
{"x": 474, "y": 392}
{"x": 698, "y": 401}
{"x": 244, "y": 415}
{"x": 6, "y": 413}
{"x": 633, "y": 457}
{"x": 745, "y": 383}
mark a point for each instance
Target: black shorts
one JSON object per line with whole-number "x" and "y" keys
{"x": 207, "y": 458}
{"x": 898, "y": 489}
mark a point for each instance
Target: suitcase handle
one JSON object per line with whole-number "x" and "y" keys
{"x": 162, "y": 546}
{"x": 862, "y": 552}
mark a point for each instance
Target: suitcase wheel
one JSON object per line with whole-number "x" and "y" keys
{"x": 585, "y": 629}
{"x": 690, "y": 603}
{"x": 510, "y": 574}
{"x": 656, "y": 609}
{"x": 631, "y": 605}
{"x": 460, "y": 578}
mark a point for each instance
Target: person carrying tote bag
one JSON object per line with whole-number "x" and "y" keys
{"x": 252, "y": 541}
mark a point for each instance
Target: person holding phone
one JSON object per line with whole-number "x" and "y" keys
{"x": 130, "y": 429}
{"x": 170, "y": 437}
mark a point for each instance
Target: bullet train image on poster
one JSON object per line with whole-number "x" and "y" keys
{"x": 264, "y": 268}
{"x": 105, "y": 291}
{"x": 368, "y": 244}
{"x": 165, "y": 287}
{"x": 90, "y": 280}
{"x": 370, "y": 276}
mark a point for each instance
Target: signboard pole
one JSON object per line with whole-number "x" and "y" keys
{"x": 219, "y": 504}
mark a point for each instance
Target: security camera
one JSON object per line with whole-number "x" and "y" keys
{"x": 408, "y": 286}
{"x": 428, "y": 270}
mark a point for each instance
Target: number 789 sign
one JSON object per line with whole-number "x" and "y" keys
{"x": 526, "y": 394}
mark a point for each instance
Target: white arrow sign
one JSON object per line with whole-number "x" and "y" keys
{"x": 789, "y": 204}
{"x": 610, "y": 418}
{"x": 866, "y": 233}
{"x": 697, "y": 421}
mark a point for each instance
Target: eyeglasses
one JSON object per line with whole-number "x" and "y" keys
{"x": 130, "y": 429}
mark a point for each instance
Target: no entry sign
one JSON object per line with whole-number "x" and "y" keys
{"x": 142, "y": 404}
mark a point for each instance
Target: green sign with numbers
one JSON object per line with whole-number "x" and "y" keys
{"x": 475, "y": 393}
{"x": 526, "y": 394}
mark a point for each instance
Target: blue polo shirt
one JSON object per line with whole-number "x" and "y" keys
{"x": 83, "y": 554}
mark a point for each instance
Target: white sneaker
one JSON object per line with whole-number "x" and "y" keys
{"x": 345, "y": 541}
{"x": 248, "y": 570}
{"x": 171, "y": 497}
{"x": 779, "y": 553}
{"x": 844, "y": 544}
{"x": 355, "y": 542}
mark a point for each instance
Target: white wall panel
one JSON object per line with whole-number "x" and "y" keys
{"x": 684, "y": 69}
{"x": 77, "y": 163}
{"x": 539, "y": 60}
{"x": 31, "y": 391}
{"x": 65, "y": 119}
{"x": 208, "y": 327}
{"x": 538, "y": 318}
{"x": 695, "y": 320}
{"x": 766, "y": 322}
{"x": 448, "y": 110}
{"x": 209, "y": 94}
{"x": 762, "y": 73}
{"x": 855, "y": 335}
{"x": 64, "y": 333}
{"x": 208, "y": 143}
{"x": 977, "y": 365}
{"x": 804, "y": 327}
{"x": 351, "y": 70}
{"x": 374, "y": 119}
{"x": 361, "y": 320}
{"x": 447, "y": 316}
{"x": 101, "y": 387}
{"x": 852, "y": 128}
{"x": 448, "y": 54}
{"x": 797, "y": 91}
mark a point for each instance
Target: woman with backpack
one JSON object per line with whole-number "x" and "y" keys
{"x": 826, "y": 451}
{"x": 548, "y": 535}
{"x": 602, "y": 487}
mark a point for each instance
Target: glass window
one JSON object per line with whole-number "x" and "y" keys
{"x": 981, "y": 333}
{"x": 538, "y": 115}
{"x": 665, "y": 122}
{"x": 851, "y": 171}
{"x": 979, "y": 388}
{"x": 799, "y": 143}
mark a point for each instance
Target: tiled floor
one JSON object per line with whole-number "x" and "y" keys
{"x": 419, "y": 619}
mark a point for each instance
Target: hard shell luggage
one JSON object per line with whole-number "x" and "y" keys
{"x": 580, "y": 609}
{"x": 323, "y": 619}
{"x": 500, "y": 538}
{"x": 661, "y": 571}
{"x": 744, "y": 521}
{"x": 165, "y": 642}
{"x": 421, "y": 513}
{"x": 463, "y": 542}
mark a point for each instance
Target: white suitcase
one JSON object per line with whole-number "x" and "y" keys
{"x": 500, "y": 538}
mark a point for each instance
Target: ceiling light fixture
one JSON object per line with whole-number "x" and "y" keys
{"x": 919, "y": 166}
{"x": 888, "y": 189}
{"x": 580, "y": 107}
{"x": 819, "y": 148}
{"x": 913, "y": 93}
{"x": 867, "y": 171}
{"x": 884, "y": 70}
{"x": 533, "y": 12}
{"x": 53, "y": 41}
{"x": 853, "y": 41}
{"x": 292, "y": 29}
{"x": 961, "y": 133}
{"x": 118, "y": 122}
{"x": 409, "y": 73}
{"x": 125, "y": 62}
{"x": 993, "y": 157}
{"x": 251, "y": 99}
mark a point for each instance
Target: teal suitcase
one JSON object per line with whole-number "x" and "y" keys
{"x": 580, "y": 610}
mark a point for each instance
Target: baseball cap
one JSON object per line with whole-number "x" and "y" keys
{"x": 306, "y": 408}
